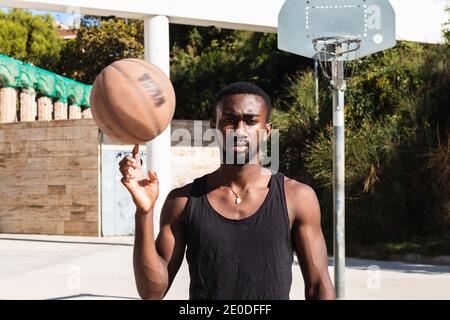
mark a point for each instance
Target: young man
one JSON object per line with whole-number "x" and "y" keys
{"x": 240, "y": 223}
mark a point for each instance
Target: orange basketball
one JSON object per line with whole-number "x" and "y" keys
{"x": 132, "y": 101}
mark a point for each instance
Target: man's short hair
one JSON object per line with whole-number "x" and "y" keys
{"x": 243, "y": 88}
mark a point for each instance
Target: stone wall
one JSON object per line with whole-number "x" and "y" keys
{"x": 50, "y": 174}
{"x": 190, "y": 158}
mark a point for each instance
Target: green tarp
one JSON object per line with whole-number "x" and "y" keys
{"x": 18, "y": 74}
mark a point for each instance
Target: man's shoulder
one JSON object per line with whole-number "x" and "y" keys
{"x": 183, "y": 193}
{"x": 176, "y": 201}
{"x": 293, "y": 184}
{"x": 297, "y": 190}
{"x": 301, "y": 200}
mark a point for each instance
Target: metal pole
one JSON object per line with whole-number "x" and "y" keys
{"x": 316, "y": 78}
{"x": 338, "y": 89}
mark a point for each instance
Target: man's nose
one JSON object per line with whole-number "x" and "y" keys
{"x": 239, "y": 125}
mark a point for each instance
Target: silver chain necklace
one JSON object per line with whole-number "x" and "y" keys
{"x": 238, "y": 199}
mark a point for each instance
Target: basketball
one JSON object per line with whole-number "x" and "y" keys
{"x": 132, "y": 101}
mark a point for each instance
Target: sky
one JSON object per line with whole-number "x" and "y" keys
{"x": 63, "y": 18}
{"x": 418, "y": 20}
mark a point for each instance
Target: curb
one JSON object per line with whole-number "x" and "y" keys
{"x": 443, "y": 260}
{"x": 417, "y": 258}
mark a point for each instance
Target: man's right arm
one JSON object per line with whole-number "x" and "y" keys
{"x": 157, "y": 262}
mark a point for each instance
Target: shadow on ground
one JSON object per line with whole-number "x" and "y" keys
{"x": 88, "y": 296}
{"x": 73, "y": 242}
{"x": 397, "y": 266}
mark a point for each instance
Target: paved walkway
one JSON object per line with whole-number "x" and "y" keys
{"x": 59, "y": 267}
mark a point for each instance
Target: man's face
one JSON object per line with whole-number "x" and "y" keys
{"x": 242, "y": 121}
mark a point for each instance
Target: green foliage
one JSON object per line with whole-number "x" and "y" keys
{"x": 397, "y": 147}
{"x": 211, "y": 58}
{"x": 29, "y": 38}
{"x": 296, "y": 116}
{"x": 375, "y": 77}
{"x": 397, "y": 111}
{"x": 203, "y": 60}
{"x": 423, "y": 246}
{"x": 366, "y": 150}
{"x": 100, "y": 42}
{"x": 397, "y": 168}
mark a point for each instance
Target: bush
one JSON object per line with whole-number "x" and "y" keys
{"x": 31, "y": 38}
{"x": 296, "y": 116}
{"x": 397, "y": 147}
{"x": 212, "y": 58}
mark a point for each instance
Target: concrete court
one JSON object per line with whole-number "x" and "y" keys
{"x": 61, "y": 267}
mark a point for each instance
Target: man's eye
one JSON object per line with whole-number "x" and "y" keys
{"x": 252, "y": 121}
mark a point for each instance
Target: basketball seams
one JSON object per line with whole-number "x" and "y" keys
{"x": 139, "y": 94}
{"x": 99, "y": 114}
{"x": 111, "y": 110}
{"x": 148, "y": 67}
{"x": 106, "y": 112}
{"x": 151, "y": 68}
{"x": 118, "y": 108}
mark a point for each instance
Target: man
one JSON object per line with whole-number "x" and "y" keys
{"x": 240, "y": 223}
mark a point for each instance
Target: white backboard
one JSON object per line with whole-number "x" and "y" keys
{"x": 301, "y": 22}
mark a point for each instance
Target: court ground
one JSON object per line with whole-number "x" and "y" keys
{"x": 61, "y": 267}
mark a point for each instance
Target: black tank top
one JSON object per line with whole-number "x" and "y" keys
{"x": 239, "y": 259}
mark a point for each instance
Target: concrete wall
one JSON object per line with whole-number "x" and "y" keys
{"x": 50, "y": 174}
{"x": 189, "y": 163}
{"x": 191, "y": 158}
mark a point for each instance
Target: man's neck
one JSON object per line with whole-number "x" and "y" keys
{"x": 243, "y": 176}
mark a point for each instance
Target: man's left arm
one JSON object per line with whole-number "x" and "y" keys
{"x": 309, "y": 243}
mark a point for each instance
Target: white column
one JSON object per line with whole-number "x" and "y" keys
{"x": 60, "y": 110}
{"x": 86, "y": 113}
{"x": 8, "y": 100}
{"x": 156, "y": 43}
{"x": 74, "y": 111}
{"x": 45, "y": 108}
{"x": 26, "y": 105}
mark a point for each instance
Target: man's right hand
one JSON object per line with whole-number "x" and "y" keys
{"x": 143, "y": 191}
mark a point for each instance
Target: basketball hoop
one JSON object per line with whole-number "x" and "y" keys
{"x": 333, "y": 32}
{"x": 335, "y": 48}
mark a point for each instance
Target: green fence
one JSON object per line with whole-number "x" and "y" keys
{"x": 18, "y": 74}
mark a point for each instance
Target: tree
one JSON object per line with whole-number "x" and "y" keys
{"x": 100, "y": 42}
{"x": 203, "y": 60}
{"x": 31, "y": 38}
{"x": 397, "y": 144}
{"x": 207, "y": 59}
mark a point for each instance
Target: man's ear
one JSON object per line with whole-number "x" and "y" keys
{"x": 213, "y": 119}
{"x": 268, "y": 131}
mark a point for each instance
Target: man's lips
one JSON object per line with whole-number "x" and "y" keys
{"x": 241, "y": 144}
{"x": 240, "y": 147}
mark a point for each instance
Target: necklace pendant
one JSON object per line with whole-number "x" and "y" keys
{"x": 238, "y": 200}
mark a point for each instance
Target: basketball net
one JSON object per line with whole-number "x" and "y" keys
{"x": 331, "y": 50}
